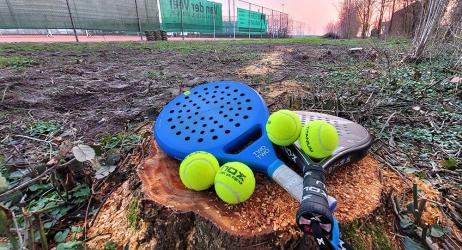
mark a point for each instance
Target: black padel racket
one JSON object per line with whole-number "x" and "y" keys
{"x": 314, "y": 215}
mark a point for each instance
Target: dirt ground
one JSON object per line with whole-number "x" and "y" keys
{"x": 95, "y": 92}
{"x": 91, "y": 91}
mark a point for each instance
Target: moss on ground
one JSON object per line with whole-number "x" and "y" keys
{"x": 371, "y": 235}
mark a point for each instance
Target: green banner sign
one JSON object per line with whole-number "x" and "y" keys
{"x": 191, "y": 16}
{"x": 252, "y": 22}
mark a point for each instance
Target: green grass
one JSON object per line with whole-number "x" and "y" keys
{"x": 15, "y": 61}
{"x": 193, "y": 46}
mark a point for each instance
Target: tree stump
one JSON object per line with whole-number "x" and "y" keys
{"x": 171, "y": 216}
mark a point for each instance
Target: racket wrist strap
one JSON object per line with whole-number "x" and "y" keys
{"x": 322, "y": 241}
{"x": 314, "y": 206}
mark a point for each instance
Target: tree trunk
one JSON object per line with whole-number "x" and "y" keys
{"x": 166, "y": 215}
{"x": 432, "y": 12}
{"x": 390, "y": 27}
{"x": 379, "y": 24}
{"x": 366, "y": 19}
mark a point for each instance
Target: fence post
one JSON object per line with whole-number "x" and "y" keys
{"x": 250, "y": 6}
{"x": 235, "y": 19}
{"x": 139, "y": 22}
{"x": 272, "y": 23}
{"x": 213, "y": 16}
{"x": 261, "y": 21}
{"x": 72, "y": 21}
{"x": 181, "y": 16}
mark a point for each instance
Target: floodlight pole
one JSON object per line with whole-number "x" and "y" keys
{"x": 229, "y": 10}
{"x": 139, "y": 22}
{"x": 72, "y": 21}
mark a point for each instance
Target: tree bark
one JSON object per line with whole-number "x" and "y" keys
{"x": 390, "y": 27}
{"x": 382, "y": 10}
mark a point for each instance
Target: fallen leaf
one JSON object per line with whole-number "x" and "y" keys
{"x": 83, "y": 152}
{"x": 104, "y": 171}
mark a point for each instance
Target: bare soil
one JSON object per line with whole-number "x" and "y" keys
{"x": 98, "y": 91}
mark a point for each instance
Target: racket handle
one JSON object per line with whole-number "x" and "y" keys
{"x": 289, "y": 180}
{"x": 314, "y": 204}
{"x": 293, "y": 184}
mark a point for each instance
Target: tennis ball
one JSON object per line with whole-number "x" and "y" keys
{"x": 318, "y": 139}
{"x": 283, "y": 127}
{"x": 198, "y": 170}
{"x": 234, "y": 182}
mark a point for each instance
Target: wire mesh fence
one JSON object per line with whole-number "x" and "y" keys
{"x": 105, "y": 15}
{"x": 186, "y": 18}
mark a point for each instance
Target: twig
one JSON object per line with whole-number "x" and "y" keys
{"x": 35, "y": 139}
{"x": 4, "y": 93}
{"x": 26, "y": 184}
{"x": 43, "y": 237}
{"x": 21, "y": 242}
{"x": 85, "y": 225}
{"x": 386, "y": 123}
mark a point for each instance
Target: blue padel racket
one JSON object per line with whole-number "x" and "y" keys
{"x": 314, "y": 215}
{"x": 226, "y": 119}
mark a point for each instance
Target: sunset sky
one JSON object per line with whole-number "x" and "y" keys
{"x": 316, "y": 14}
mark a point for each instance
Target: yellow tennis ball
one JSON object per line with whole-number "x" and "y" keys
{"x": 283, "y": 127}
{"x": 318, "y": 139}
{"x": 234, "y": 182}
{"x": 198, "y": 170}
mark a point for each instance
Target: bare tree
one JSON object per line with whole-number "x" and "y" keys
{"x": 431, "y": 13}
{"x": 364, "y": 8}
{"x": 390, "y": 25}
{"x": 381, "y": 9}
{"x": 331, "y": 27}
{"x": 455, "y": 21}
{"x": 349, "y": 23}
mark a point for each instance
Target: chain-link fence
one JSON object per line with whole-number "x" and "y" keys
{"x": 104, "y": 15}
{"x": 185, "y": 18}
{"x": 226, "y": 18}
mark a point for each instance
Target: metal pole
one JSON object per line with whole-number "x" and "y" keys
{"x": 235, "y": 19}
{"x": 261, "y": 22}
{"x": 139, "y": 22}
{"x": 229, "y": 16}
{"x": 214, "y": 27}
{"x": 249, "y": 18}
{"x": 272, "y": 23}
{"x": 181, "y": 13}
{"x": 280, "y": 23}
{"x": 72, "y": 21}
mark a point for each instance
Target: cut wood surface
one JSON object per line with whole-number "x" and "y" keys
{"x": 179, "y": 217}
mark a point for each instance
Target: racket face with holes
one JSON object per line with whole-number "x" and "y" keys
{"x": 226, "y": 119}
{"x": 354, "y": 139}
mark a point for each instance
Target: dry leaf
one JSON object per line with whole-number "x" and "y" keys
{"x": 83, "y": 153}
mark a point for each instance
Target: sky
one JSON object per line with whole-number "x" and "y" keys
{"x": 316, "y": 14}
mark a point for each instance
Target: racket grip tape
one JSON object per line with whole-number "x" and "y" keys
{"x": 314, "y": 204}
{"x": 289, "y": 180}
